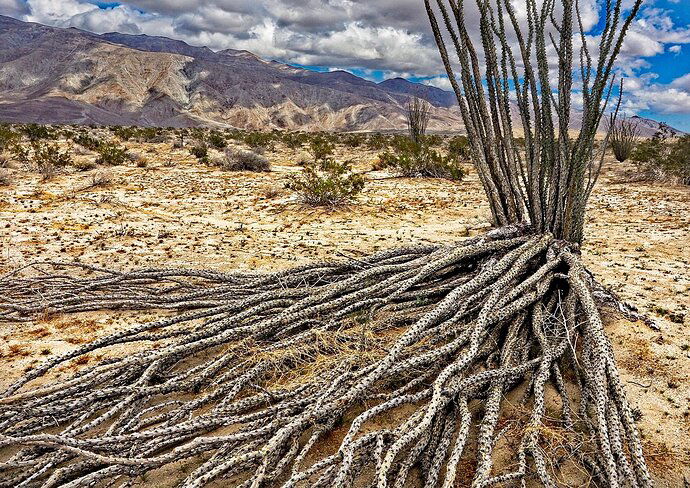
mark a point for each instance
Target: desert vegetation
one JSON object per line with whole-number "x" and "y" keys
{"x": 474, "y": 362}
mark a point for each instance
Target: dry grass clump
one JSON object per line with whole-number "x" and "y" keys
{"x": 235, "y": 159}
{"x": 5, "y": 177}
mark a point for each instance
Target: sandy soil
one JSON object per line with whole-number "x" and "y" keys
{"x": 177, "y": 212}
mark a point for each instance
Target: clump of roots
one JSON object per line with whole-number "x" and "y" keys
{"x": 402, "y": 361}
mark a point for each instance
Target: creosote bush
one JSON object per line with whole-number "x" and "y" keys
{"x": 217, "y": 140}
{"x": 660, "y": 159}
{"x": 200, "y": 151}
{"x": 235, "y": 159}
{"x": 326, "y": 182}
{"x": 48, "y": 159}
{"x": 411, "y": 159}
{"x": 111, "y": 154}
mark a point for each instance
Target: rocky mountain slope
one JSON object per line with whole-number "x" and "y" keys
{"x": 53, "y": 75}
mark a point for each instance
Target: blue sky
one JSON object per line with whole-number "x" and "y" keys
{"x": 375, "y": 39}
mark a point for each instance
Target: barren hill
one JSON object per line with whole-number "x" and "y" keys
{"x": 53, "y": 75}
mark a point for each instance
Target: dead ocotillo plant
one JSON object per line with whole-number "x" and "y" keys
{"x": 418, "y": 114}
{"x": 456, "y": 327}
{"x": 622, "y": 136}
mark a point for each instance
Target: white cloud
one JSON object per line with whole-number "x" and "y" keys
{"x": 14, "y": 8}
{"x": 677, "y": 49}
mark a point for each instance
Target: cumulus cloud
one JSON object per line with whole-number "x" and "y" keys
{"x": 375, "y": 37}
{"x": 13, "y": 8}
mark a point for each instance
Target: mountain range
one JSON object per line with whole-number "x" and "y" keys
{"x": 71, "y": 76}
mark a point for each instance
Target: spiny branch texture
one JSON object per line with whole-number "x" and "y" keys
{"x": 422, "y": 364}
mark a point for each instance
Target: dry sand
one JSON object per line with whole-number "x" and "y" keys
{"x": 177, "y": 212}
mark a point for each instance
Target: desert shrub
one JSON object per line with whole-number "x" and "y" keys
{"x": 217, "y": 140}
{"x": 200, "y": 151}
{"x": 47, "y": 153}
{"x": 85, "y": 165}
{"x": 5, "y": 177}
{"x": 4, "y": 161}
{"x": 354, "y": 140}
{"x": 659, "y": 159}
{"x": 37, "y": 132}
{"x": 100, "y": 178}
{"x": 149, "y": 134}
{"x": 20, "y": 152}
{"x": 87, "y": 141}
{"x": 376, "y": 141}
{"x": 293, "y": 140}
{"x": 622, "y": 136}
{"x": 321, "y": 148}
{"x": 111, "y": 154}
{"x": 47, "y": 159}
{"x": 459, "y": 148}
{"x": 7, "y": 137}
{"x": 124, "y": 133}
{"x": 678, "y": 160}
{"x": 412, "y": 159}
{"x": 433, "y": 140}
{"x": 240, "y": 160}
{"x": 259, "y": 139}
{"x": 326, "y": 182}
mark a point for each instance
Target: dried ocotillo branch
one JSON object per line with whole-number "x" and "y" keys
{"x": 231, "y": 385}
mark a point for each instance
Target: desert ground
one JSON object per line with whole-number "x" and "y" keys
{"x": 177, "y": 212}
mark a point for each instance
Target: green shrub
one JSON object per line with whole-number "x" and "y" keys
{"x": 47, "y": 159}
{"x": 326, "y": 182}
{"x": 7, "y": 137}
{"x": 200, "y": 151}
{"x": 37, "y": 132}
{"x": 412, "y": 159}
{"x": 111, "y": 154}
{"x": 659, "y": 159}
{"x": 46, "y": 153}
{"x": 259, "y": 139}
{"x": 240, "y": 160}
{"x": 321, "y": 148}
{"x": 459, "y": 148}
{"x": 124, "y": 133}
{"x": 377, "y": 141}
{"x": 87, "y": 141}
{"x": 217, "y": 140}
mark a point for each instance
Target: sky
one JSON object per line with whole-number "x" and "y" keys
{"x": 376, "y": 39}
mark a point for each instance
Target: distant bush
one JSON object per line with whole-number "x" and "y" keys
{"x": 200, "y": 151}
{"x": 459, "y": 148}
{"x": 354, "y": 140}
{"x": 321, "y": 148}
{"x": 259, "y": 139}
{"x": 37, "y": 132}
{"x": 87, "y": 141}
{"x": 7, "y": 137}
{"x": 377, "y": 141}
{"x": 111, "y": 154}
{"x": 217, "y": 140}
{"x": 326, "y": 182}
{"x": 659, "y": 159}
{"x": 412, "y": 159}
{"x": 124, "y": 133}
{"x": 240, "y": 160}
{"x": 48, "y": 160}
